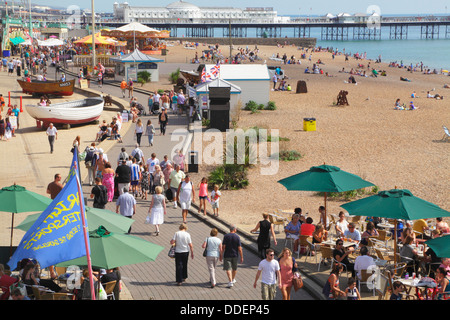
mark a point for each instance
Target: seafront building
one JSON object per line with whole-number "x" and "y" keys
{"x": 184, "y": 12}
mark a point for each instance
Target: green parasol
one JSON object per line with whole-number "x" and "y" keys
{"x": 440, "y": 246}
{"x": 324, "y": 178}
{"x": 95, "y": 217}
{"x": 111, "y": 250}
{"x": 395, "y": 204}
{"x": 17, "y": 199}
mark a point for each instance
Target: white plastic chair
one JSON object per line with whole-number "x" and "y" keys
{"x": 446, "y": 136}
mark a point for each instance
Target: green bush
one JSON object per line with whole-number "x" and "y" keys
{"x": 261, "y": 106}
{"x": 173, "y": 77}
{"x": 251, "y": 106}
{"x": 289, "y": 155}
{"x": 229, "y": 177}
{"x": 145, "y": 76}
{"x": 271, "y": 106}
{"x": 206, "y": 122}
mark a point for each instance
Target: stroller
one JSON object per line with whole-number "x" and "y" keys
{"x": 155, "y": 108}
{"x": 141, "y": 109}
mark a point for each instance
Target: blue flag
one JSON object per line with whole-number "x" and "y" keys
{"x": 57, "y": 235}
{"x": 73, "y": 169}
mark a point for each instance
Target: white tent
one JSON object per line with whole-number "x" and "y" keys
{"x": 135, "y": 26}
{"x": 51, "y": 42}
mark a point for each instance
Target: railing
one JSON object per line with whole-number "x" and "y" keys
{"x": 86, "y": 60}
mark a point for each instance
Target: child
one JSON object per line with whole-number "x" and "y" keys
{"x": 203, "y": 195}
{"x": 351, "y": 291}
{"x": 215, "y": 197}
{"x": 397, "y": 288}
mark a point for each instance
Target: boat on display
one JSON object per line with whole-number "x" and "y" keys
{"x": 38, "y": 87}
{"x": 70, "y": 112}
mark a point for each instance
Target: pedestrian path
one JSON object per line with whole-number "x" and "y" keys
{"x": 156, "y": 280}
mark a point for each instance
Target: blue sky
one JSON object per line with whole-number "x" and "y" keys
{"x": 294, "y": 7}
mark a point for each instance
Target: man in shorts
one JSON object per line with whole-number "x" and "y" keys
{"x": 231, "y": 249}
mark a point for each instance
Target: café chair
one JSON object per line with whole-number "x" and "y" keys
{"x": 304, "y": 244}
{"x": 383, "y": 288}
{"x": 366, "y": 279}
{"x": 327, "y": 254}
{"x": 109, "y": 289}
{"x": 397, "y": 271}
{"x": 276, "y": 221}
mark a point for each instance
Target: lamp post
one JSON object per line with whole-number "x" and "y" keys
{"x": 93, "y": 36}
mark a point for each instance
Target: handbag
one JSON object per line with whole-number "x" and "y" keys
{"x": 171, "y": 253}
{"x": 297, "y": 282}
{"x": 169, "y": 194}
{"x": 206, "y": 248}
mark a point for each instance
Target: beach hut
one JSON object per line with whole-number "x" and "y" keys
{"x": 202, "y": 93}
{"x": 131, "y": 64}
{"x": 252, "y": 79}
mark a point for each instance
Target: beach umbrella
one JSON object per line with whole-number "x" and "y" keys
{"x": 324, "y": 178}
{"x": 111, "y": 250}
{"x": 440, "y": 246}
{"x": 17, "y": 199}
{"x": 395, "y": 204}
{"x": 112, "y": 221}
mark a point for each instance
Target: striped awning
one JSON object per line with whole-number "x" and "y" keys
{"x": 16, "y": 40}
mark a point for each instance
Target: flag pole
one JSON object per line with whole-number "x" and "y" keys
{"x": 85, "y": 233}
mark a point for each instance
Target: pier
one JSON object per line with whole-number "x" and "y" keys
{"x": 330, "y": 29}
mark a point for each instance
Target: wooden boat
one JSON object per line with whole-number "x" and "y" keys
{"x": 70, "y": 112}
{"x": 58, "y": 88}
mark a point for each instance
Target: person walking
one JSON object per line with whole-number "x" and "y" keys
{"x": 231, "y": 249}
{"x": 185, "y": 193}
{"x": 175, "y": 178}
{"x": 157, "y": 209}
{"x": 123, "y": 87}
{"x": 52, "y": 134}
{"x": 163, "y": 120}
{"x": 213, "y": 251}
{"x": 127, "y": 205}
{"x": 203, "y": 195}
{"x": 123, "y": 174}
{"x": 269, "y": 270}
{"x": 150, "y": 132}
{"x": 139, "y": 130}
{"x": 288, "y": 267}
{"x": 183, "y": 244}
{"x": 265, "y": 228}
{"x": 108, "y": 180}
{"x": 100, "y": 194}
{"x": 55, "y": 186}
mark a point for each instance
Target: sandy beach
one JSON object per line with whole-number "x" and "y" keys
{"x": 390, "y": 148}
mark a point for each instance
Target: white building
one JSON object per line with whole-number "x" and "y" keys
{"x": 184, "y": 12}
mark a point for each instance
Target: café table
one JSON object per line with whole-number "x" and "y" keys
{"x": 332, "y": 243}
{"x": 385, "y": 225}
{"x": 420, "y": 287}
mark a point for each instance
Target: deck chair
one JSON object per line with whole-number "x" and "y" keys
{"x": 446, "y": 136}
{"x": 109, "y": 289}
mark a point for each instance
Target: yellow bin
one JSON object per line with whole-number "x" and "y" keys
{"x": 309, "y": 124}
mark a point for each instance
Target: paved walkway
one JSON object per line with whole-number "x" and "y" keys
{"x": 156, "y": 280}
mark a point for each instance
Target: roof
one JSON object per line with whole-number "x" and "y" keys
{"x": 136, "y": 56}
{"x": 135, "y": 26}
{"x": 242, "y": 72}
{"x": 182, "y": 5}
{"x": 204, "y": 87}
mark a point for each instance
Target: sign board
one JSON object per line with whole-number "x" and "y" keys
{"x": 147, "y": 66}
{"x": 124, "y": 117}
{"x": 84, "y": 84}
{"x": 13, "y": 121}
{"x": 132, "y": 73}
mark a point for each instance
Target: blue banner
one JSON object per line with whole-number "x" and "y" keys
{"x": 57, "y": 235}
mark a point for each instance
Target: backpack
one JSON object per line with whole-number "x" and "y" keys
{"x": 123, "y": 156}
{"x": 102, "y": 196}
{"x": 137, "y": 156}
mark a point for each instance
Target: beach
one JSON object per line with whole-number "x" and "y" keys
{"x": 390, "y": 148}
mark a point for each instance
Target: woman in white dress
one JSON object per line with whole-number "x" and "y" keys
{"x": 157, "y": 209}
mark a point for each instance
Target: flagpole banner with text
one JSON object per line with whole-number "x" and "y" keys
{"x": 57, "y": 235}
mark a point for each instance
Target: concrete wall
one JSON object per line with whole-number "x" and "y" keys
{"x": 300, "y": 42}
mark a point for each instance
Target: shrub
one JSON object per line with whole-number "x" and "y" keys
{"x": 271, "y": 106}
{"x": 289, "y": 155}
{"x": 145, "y": 76}
{"x": 261, "y": 106}
{"x": 173, "y": 77}
{"x": 251, "y": 106}
{"x": 229, "y": 177}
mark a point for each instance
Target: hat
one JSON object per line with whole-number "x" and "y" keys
{"x": 100, "y": 150}
{"x": 102, "y": 271}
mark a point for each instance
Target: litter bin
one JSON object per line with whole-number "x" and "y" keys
{"x": 309, "y": 124}
{"x": 193, "y": 163}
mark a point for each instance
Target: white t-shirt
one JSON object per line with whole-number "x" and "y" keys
{"x": 182, "y": 241}
{"x": 342, "y": 225}
{"x": 215, "y": 196}
{"x": 269, "y": 271}
{"x": 151, "y": 163}
{"x": 363, "y": 263}
{"x": 51, "y": 131}
{"x": 185, "y": 191}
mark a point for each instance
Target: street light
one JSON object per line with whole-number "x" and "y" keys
{"x": 93, "y": 36}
